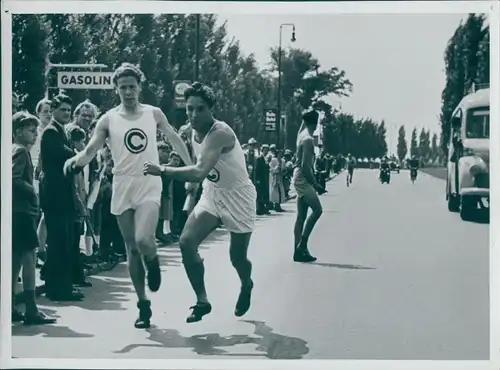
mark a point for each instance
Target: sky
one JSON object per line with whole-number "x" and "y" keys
{"x": 395, "y": 62}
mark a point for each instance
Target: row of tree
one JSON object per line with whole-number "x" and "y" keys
{"x": 165, "y": 48}
{"x": 363, "y": 138}
{"x": 421, "y": 146}
{"x": 467, "y": 61}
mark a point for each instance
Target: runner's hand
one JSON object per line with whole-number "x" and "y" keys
{"x": 152, "y": 169}
{"x": 191, "y": 187}
{"x": 69, "y": 165}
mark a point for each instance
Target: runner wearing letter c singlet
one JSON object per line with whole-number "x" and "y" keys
{"x": 133, "y": 142}
{"x": 130, "y": 130}
{"x": 229, "y": 197}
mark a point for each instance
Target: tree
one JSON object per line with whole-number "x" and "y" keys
{"x": 304, "y": 85}
{"x": 381, "y": 140}
{"x": 434, "y": 147}
{"x": 413, "y": 143}
{"x": 402, "y": 147}
{"x": 363, "y": 138}
{"x": 164, "y": 46}
{"x": 424, "y": 145}
{"x": 29, "y": 41}
{"x": 466, "y": 62}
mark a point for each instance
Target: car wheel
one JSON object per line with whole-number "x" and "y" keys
{"x": 468, "y": 208}
{"x": 453, "y": 203}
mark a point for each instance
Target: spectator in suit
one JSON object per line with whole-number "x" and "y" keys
{"x": 57, "y": 198}
{"x": 25, "y": 212}
{"x": 251, "y": 158}
{"x": 262, "y": 181}
{"x": 44, "y": 115}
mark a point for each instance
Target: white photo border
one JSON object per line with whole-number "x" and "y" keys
{"x": 355, "y": 7}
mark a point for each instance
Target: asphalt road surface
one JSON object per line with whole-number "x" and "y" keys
{"x": 397, "y": 277}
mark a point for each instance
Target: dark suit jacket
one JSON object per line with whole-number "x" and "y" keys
{"x": 24, "y": 198}
{"x": 261, "y": 170}
{"x": 57, "y": 191}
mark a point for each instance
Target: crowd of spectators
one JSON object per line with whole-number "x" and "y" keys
{"x": 63, "y": 224}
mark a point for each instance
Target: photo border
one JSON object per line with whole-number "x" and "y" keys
{"x": 142, "y": 7}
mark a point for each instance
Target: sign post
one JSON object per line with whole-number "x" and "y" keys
{"x": 270, "y": 119}
{"x": 85, "y": 80}
{"x": 179, "y": 88}
{"x": 82, "y": 79}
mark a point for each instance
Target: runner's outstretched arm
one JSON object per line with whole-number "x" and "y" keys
{"x": 173, "y": 137}
{"x": 96, "y": 142}
{"x": 215, "y": 144}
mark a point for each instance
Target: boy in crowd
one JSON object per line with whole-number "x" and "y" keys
{"x": 111, "y": 241}
{"x": 179, "y": 216}
{"x": 166, "y": 197}
{"x": 77, "y": 139}
{"x": 25, "y": 213}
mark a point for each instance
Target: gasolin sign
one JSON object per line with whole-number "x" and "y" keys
{"x": 84, "y": 80}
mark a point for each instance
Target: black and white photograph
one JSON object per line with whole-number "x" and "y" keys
{"x": 203, "y": 182}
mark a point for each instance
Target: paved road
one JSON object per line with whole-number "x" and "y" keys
{"x": 398, "y": 277}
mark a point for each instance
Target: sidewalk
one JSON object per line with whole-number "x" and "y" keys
{"x": 40, "y": 285}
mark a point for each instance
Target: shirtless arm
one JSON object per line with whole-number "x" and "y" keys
{"x": 307, "y": 159}
{"x": 215, "y": 144}
{"x": 172, "y": 136}
{"x": 96, "y": 142}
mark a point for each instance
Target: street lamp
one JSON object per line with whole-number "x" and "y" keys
{"x": 293, "y": 39}
{"x": 197, "y": 49}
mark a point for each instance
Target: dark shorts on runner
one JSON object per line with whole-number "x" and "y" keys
{"x": 24, "y": 232}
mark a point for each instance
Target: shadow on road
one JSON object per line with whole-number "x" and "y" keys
{"x": 109, "y": 290}
{"x": 47, "y": 331}
{"x": 269, "y": 344}
{"x": 341, "y": 266}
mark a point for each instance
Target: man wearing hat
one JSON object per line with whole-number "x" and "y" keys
{"x": 287, "y": 176}
{"x": 307, "y": 188}
{"x": 251, "y": 158}
{"x": 262, "y": 180}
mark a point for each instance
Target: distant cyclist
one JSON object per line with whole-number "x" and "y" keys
{"x": 351, "y": 165}
{"x": 413, "y": 164}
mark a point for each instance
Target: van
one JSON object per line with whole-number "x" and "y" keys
{"x": 468, "y": 165}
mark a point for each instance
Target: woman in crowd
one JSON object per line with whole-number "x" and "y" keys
{"x": 277, "y": 191}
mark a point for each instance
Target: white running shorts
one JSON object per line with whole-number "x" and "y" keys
{"x": 236, "y": 208}
{"x": 129, "y": 192}
{"x": 302, "y": 187}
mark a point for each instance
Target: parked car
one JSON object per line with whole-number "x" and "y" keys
{"x": 468, "y": 175}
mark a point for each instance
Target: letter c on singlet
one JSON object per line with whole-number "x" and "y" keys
{"x": 136, "y": 140}
{"x": 213, "y": 175}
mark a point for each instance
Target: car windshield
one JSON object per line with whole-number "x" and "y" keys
{"x": 478, "y": 123}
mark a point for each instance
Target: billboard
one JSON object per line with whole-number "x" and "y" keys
{"x": 270, "y": 119}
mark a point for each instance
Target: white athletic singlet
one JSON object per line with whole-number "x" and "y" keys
{"x": 228, "y": 193}
{"x": 230, "y": 171}
{"x": 133, "y": 143}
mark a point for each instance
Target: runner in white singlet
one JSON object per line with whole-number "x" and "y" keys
{"x": 228, "y": 196}
{"x": 130, "y": 130}
{"x": 133, "y": 142}
{"x": 228, "y": 193}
